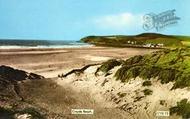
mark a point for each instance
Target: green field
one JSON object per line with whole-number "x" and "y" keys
{"x": 168, "y": 41}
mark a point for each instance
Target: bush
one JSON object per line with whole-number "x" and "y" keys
{"x": 182, "y": 81}
{"x": 182, "y": 109}
{"x": 147, "y": 92}
{"x": 162, "y": 102}
{"x": 147, "y": 83}
{"x": 108, "y": 65}
{"x": 121, "y": 95}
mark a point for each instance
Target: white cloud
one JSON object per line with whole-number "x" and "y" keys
{"x": 119, "y": 21}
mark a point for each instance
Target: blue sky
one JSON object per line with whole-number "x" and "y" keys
{"x": 74, "y": 19}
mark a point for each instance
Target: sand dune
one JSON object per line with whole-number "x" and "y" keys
{"x": 107, "y": 92}
{"x": 57, "y": 61}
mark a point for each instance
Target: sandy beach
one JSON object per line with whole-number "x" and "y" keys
{"x": 51, "y": 62}
{"x": 68, "y": 94}
{"x": 102, "y": 93}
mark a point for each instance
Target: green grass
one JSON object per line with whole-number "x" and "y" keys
{"x": 182, "y": 109}
{"x": 108, "y": 65}
{"x": 185, "y": 40}
{"x": 186, "y": 43}
{"x": 125, "y": 73}
{"x": 166, "y": 65}
{"x": 170, "y": 41}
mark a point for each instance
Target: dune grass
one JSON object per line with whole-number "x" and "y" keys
{"x": 182, "y": 109}
{"x": 165, "y": 65}
{"x": 147, "y": 83}
{"x": 108, "y": 65}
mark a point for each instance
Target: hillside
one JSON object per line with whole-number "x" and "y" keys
{"x": 148, "y": 40}
{"x": 12, "y": 102}
{"x": 140, "y": 85}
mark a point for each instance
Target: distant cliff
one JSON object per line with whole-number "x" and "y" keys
{"x": 149, "y": 40}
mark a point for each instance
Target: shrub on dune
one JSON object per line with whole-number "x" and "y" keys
{"x": 165, "y": 65}
{"x": 108, "y": 65}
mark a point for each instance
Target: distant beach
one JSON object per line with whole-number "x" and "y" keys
{"x": 50, "y": 61}
{"x": 36, "y": 44}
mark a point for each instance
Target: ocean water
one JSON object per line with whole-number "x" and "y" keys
{"x": 14, "y": 44}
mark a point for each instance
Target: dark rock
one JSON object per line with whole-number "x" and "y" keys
{"x": 11, "y": 74}
{"x": 34, "y": 76}
{"x": 9, "y": 77}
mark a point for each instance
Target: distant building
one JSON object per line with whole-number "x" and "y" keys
{"x": 147, "y": 45}
{"x": 153, "y": 45}
{"x": 160, "y": 45}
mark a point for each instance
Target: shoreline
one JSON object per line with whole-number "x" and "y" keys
{"x": 50, "y": 61}
{"x": 27, "y": 48}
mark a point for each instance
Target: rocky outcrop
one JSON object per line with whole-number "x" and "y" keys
{"x": 23, "y": 95}
{"x": 11, "y": 74}
{"x": 9, "y": 88}
{"x": 9, "y": 78}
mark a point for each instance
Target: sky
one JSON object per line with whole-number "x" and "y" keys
{"x": 74, "y": 19}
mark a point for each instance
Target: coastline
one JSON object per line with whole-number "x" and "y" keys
{"x": 102, "y": 93}
{"x": 49, "y": 61}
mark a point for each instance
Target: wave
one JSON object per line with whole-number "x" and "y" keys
{"x": 17, "y": 44}
{"x": 42, "y": 46}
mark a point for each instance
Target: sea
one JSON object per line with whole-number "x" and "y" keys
{"x": 15, "y": 44}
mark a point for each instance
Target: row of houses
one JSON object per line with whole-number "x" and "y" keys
{"x": 151, "y": 45}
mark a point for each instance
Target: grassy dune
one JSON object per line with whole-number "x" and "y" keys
{"x": 182, "y": 108}
{"x": 166, "y": 65}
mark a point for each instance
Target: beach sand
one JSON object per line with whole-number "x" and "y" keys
{"x": 51, "y": 62}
